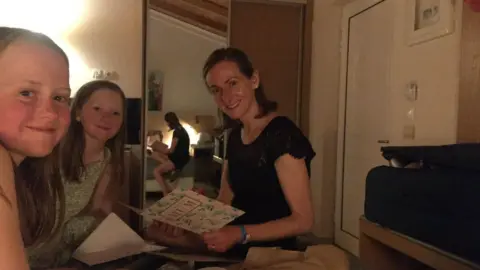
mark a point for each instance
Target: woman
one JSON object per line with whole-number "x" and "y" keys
{"x": 34, "y": 115}
{"x": 92, "y": 167}
{"x": 266, "y": 171}
{"x": 174, "y": 157}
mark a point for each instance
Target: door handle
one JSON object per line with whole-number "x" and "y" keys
{"x": 383, "y": 141}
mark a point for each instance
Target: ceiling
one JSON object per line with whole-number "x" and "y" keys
{"x": 210, "y": 15}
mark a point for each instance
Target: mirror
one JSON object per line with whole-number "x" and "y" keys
{"x": 180, "y": 36}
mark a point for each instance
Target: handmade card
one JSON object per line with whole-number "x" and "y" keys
{"x": 191, "y": 211}
{"x": 111, "y": 240}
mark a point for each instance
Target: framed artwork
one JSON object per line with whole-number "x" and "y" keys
{"x": 155, "y": 90}
{"x": 428, "y": 19}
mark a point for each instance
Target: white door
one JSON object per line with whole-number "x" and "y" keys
{"x": 367, "y": 48}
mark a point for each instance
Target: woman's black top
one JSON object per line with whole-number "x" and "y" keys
{"x": 253, "y": 177}
{"x": 180, "y": 155}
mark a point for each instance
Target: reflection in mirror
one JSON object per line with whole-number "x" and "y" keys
{"x": 178, "y": 43}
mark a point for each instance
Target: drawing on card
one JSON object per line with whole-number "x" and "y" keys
{"x": 191, "y": 211}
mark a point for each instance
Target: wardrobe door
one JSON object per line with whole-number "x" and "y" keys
{"x": 272, "y": 33}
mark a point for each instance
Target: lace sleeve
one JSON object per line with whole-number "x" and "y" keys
{"x": 289, "y": 139}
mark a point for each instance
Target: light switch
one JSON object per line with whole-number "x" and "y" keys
{"x": 411, "y": 114}
{"x": 412, "y": 91}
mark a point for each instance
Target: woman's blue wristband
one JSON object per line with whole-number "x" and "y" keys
{"x": 244, "y": 234}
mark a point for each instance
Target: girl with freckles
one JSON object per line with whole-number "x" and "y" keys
{"x": 34, "y": 116}
{"x": 267, "y": 167}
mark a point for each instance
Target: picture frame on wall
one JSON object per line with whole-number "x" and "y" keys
{"x": 428, "y": 19}
{"x": 155, "y": 90}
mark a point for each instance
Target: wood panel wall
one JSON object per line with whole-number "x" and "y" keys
{"x": 468, "y": 127}
{"x": 277, "y": 38}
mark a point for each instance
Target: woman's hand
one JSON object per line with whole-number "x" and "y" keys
{"x": 223, "y": 239}
{"x": 172, "y": 236}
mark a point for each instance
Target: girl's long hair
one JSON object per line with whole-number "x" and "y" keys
{"x": 38, "y": 183}
{"x": 73, "y": 145}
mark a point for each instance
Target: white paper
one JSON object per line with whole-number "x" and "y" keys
{"x": 111, "y": 240}
{"x": 191, "y": 211}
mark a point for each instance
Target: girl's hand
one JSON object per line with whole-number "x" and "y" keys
{"x": 223, "y": 239}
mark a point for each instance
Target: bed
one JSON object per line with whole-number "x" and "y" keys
{"x": 436, "y": 203}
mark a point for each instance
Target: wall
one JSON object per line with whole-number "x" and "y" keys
{"x": 323, "y": 111}
{"x": 95, "y": 35}
{"x": 433, "y": 64}
{"x": 179, "y": 51}
{"x": 110, "y": 38}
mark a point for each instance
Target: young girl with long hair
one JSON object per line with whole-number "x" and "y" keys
{"x": 92, "y": 162}
{"x": 34, "y": 115}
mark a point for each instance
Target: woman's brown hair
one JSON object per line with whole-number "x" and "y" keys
{"x": 172, "y": 120}
{"x": 73, "y": 145}
{"x": 240, "y": 58}
{"x": 38, "y": 183}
